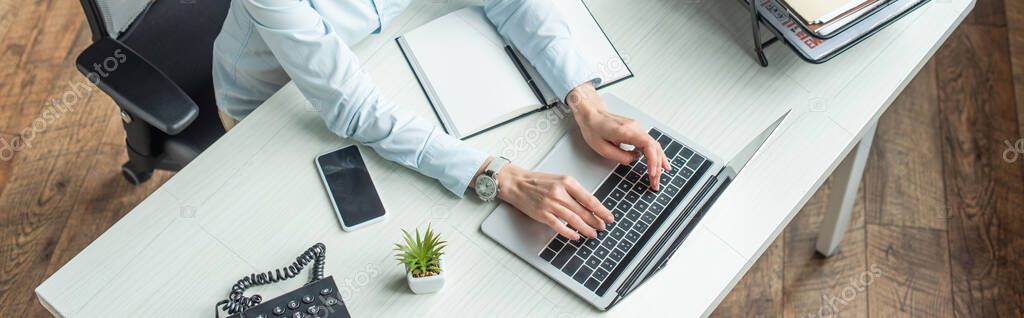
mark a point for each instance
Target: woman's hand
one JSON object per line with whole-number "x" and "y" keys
{"x": 605, "y": 132}
{"x": 552, "y": 200}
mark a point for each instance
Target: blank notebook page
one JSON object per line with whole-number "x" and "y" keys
{"x": 469, "y": 71}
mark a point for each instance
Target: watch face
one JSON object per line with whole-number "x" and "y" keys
{"x": 486, "y": 187}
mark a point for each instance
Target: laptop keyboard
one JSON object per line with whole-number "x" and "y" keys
{"x": 638, "y": 211}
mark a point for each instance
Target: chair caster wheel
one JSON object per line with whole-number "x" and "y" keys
{"x": 133, "y": 177}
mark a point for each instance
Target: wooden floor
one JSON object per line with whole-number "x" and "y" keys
{"x": 938, "y": 229}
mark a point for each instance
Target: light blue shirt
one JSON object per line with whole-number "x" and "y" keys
{"x": 266, "y": 43}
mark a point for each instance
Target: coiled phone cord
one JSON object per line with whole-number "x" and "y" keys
{"x": 237, "y": 301}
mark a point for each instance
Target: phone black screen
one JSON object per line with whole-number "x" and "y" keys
{"x": 350, "y": 186}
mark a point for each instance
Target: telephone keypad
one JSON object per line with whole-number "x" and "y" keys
{"x": 312, "y": 300}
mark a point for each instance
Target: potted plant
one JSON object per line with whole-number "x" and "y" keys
{"x": 422, "y": 259}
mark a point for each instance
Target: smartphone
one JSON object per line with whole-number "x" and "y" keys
{"x": 350, "y": 188}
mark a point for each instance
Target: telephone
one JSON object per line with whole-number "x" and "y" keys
{"x": 319, "y": 298}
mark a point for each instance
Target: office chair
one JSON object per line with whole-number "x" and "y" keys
{"x": 154, "y": 59}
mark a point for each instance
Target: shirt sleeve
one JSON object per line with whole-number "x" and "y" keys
{"x": 328, "y": 74}
{"x": 542, "y": 35}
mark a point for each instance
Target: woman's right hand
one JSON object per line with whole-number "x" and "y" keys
{"x": 553, "y": 200}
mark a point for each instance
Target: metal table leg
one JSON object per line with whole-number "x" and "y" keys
{"x": 846, "y": 180}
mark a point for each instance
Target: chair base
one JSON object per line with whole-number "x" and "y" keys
{"x": 140, "y": 167}
{"x": 133, "y": 175}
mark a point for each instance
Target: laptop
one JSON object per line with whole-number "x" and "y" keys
{"x": 649, "y": 226}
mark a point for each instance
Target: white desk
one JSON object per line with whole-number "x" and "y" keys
{"x": 253, "y": 201}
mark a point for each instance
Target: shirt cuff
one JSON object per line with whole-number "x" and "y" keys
{"x": 569, "y": 70}
{"x": 456, "y": 162}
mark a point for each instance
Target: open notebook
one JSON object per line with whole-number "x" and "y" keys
{"x": 476, "y": 81}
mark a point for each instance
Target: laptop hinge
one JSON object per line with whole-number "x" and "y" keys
{"x": 689, "y": 228}
{"x": 633, "y": 279}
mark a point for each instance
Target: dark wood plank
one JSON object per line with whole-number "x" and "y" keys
{"x": 23, "y": 96}
{"x": 36, "y": 202}
{"x": 54, "y": 33}
{"x": 114, "y": 133}
{"x": 813, "y": 285}
{"x": 7, "y": 154}
{"x": 19, "y": 32}
{"x": 984, "y": 192}
{"x": 903, "y": 177}
{"x": 759, "y": 293}
{"x": 987, "y": 12}
{"x": 908, "y": 272}
{"x": 6, "y": 20}
{"x": 36, "y": 41}
{"x": 45, "y": 184}
{"x": 1015, "y": 33}
{"x": 40, "y": 195}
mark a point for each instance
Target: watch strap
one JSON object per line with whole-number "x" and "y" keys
{"x": 494, "y": 167}
{"x": 491, "y": 172}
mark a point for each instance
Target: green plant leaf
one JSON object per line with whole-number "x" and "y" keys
{"x": 421, "y": 254}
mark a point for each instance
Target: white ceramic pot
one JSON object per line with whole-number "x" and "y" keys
{"x": 427, "y": 284}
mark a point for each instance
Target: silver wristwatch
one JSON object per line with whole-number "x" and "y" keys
{"x": 487, "y": 183}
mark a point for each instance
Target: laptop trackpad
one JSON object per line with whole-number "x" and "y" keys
{"x": 570, "y": 156}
